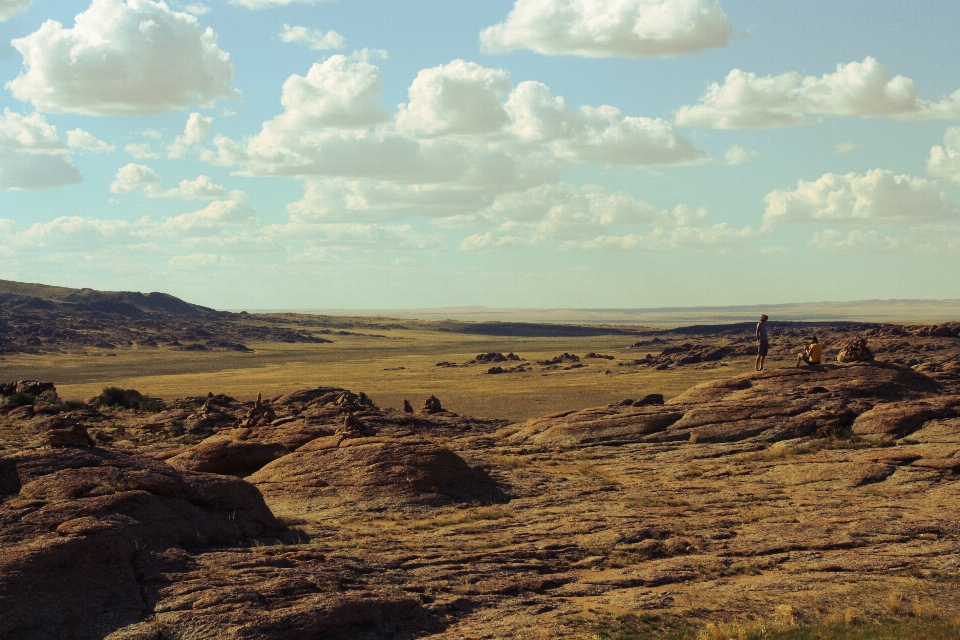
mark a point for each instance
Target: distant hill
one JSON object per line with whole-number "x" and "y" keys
{"x": 128, "y": 303}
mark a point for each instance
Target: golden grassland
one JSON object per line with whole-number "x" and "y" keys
{"x": 399, "y": 365}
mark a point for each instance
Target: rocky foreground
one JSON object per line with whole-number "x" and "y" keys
{"x": 320, "y": 515}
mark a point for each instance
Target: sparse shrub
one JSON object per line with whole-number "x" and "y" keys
{"x": 19, "y": 400}
{"x": 176, "y": 429}
{"x": 72, "y": 405}
{"x": 151, "y": 405}
{"x": 128, "y": 399}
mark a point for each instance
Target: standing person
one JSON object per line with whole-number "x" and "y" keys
{"x": 763, "y": 343}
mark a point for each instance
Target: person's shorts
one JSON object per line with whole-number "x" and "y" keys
{"x": 763, "y": 348}
{"x": 806, "y": 359}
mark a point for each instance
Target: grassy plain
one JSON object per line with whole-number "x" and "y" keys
{"x": 394, "y": 365}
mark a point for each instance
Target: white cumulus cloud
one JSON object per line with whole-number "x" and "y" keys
{"x": 877, "y": 197}
{"x": 33, "y": 157}
{"x": 944, "y": 161}
{"x": 313, "y": 38}
{"x": 134, "y": 178}
{"x": 198, "y": 127}
{"x": 80, "y": 139}
{"x": 141, "y": 151}
{"x": 10, "y": 8}
{"x": 122, "y": 57}
{"x": 736, "y": 154}
{"x": 338, "y": 93}
{"x": 563, "y": 213}
{"x": 457, "y": 98}
{"x": 605, "y": 28}
{"x": 864, "y": 89}
{"x": 233, "y": 210}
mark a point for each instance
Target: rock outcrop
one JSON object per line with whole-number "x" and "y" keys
{"x": 76, "y": 522}
{"x": 374, "y": 473}
{"x": 776, "y": 405}
{"x": 228, "y": 453}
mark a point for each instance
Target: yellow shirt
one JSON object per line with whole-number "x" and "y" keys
{"x": 815, "y": 351}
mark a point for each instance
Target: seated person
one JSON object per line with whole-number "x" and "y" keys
{"x": 811, "y": 355}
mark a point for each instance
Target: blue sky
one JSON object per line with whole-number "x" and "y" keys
{"x": 509, "y": 153}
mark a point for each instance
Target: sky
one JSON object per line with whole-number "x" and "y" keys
{"x": 506, "y": 153}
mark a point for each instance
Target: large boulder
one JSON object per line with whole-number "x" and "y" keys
{"x": 899, "y": 419}
{"x": 374, "y": 473}
{"x": 228, "y": 454}
{"x": 75, "y": 522}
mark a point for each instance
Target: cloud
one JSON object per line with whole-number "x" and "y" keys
{"x": 198, "y": 127}
{"x": 373, "y": 237}
{"x": 457, "y": 98}
{"x": 202, "y": 188}
{"x": 736, "y": 154}
{"x": 877, "y": 197}
{"x": 606, "y": 28}
{"x": 944, "y": 161}
{"x": 197, "y": 9}
{"x": 563, "y": 213}
{"x": 856, "y": 240}
{"x": 313, "y": 38}
{"x": 80, "y": 139}
{"x": 122, "y": 57}
{"x": 141, "y": 151}
{"x": 77, "y": 234}
{"x": 461, "y": 126}
{"x": 337, "y": 93}
{"x": 487, "y": 241}
{"x": 925, "y": 240}
{"x": 10, "y": 8}
{"x": 134, "y": 178}
{"x": 212, "y": 218}
{"x": 32, "y": 155}
{"x": 198, "y": 261}
{"x": 343, "y": 200}
{"x": 862, "y": 89}
{"x": 719, "y": 237}
{"x": 845, "y": 147}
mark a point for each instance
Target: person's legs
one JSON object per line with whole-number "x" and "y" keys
{"x": 762, "y": 348}
{"x": 799, "y": 358}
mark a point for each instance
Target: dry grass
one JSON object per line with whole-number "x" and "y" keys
{"x": 398, "y": 366}
{"x": 782, "y": 620}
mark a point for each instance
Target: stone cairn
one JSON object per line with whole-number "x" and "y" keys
{"x": 855, "y": 350}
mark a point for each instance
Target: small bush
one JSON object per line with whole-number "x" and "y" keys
{"x": 72, "y": 405}
{"x": 19, "y": 400}
{"x": 128, "y": 399}
{"x": 152, "y": 405}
